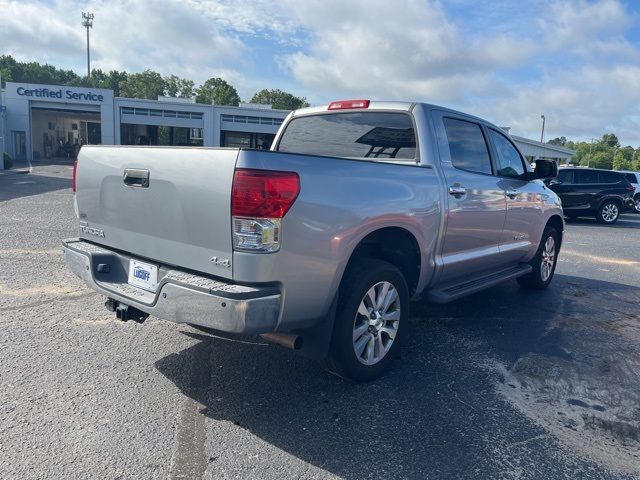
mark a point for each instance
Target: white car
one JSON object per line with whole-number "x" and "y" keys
{"x": 634, "y": 179}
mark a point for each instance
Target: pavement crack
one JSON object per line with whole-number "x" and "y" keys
{"x": 190, "y": 460}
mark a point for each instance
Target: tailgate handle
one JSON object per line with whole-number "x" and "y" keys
{"x": 136, "y": 177}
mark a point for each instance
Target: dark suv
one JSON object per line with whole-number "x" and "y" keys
{"x": 604, "y": 194}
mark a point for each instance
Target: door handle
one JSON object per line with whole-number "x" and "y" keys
{"x": 511, "y": 193}
{"x": 457, "y": 191}
{"x": 136, "y": 177}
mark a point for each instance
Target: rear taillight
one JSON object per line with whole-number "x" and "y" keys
{"x": 259, "y": 200}
{"x": 631, "y": 188}
{"x": 345, "y": 104}
{"x": 73, "y": 179}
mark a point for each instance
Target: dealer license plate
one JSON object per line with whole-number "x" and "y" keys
{"x": 143, "y": 275}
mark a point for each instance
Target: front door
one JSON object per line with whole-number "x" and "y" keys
{"x": 476, "y": 202}
{"x": 522, "y": 227}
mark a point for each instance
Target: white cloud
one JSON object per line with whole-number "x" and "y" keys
{"x": 580, "y": 104}
{"x": 389, "y": 50}
{"x": 572, "y": 60}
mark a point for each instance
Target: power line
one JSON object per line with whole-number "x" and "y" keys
{"x": 87, "y": 22}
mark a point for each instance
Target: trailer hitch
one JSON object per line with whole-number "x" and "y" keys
{"x": 125, "y": 312}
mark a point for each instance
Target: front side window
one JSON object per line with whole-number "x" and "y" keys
{"x": 370, "y": 135}
{"x": 565, "y": 176}
{"x": 467, "y": 146}
{"x": 509, "y": 160}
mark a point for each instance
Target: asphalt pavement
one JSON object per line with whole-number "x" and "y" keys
{"x": 507, "y": 383}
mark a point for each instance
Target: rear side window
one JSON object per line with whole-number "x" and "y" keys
{"x": 632, "y": 177}
{"x": 565, "y": 176}
{"x": 509, "y": 160}
{"x": 609, "y": 177}
{"x": 586, "y": 177}
{"x": 467, "y": 146}
{"x": 374, "y": 135}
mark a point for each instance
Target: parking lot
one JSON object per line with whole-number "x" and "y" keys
{"x": 507, "y": 383}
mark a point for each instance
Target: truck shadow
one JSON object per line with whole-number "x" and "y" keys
{"x": 14, "y": 186}
{"x": 437, "y": 414}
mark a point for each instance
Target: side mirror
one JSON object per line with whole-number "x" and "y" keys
{"x": 545, "y": 169}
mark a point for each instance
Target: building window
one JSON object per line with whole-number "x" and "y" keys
{"x": 134, "y": 134}
{"x": 259, "y": 141}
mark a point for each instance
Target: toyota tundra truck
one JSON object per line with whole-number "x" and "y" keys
{"x": 320, "y": 243}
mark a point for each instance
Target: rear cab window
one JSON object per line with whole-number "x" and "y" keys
{"x": 381, "y": 136}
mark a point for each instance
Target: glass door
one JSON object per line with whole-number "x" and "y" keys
{"x": 20, "y": 145}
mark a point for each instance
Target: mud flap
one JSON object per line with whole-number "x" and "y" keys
{"x": 317, "y": 339}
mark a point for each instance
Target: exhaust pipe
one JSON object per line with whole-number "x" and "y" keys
{"x": 287, "y": 340}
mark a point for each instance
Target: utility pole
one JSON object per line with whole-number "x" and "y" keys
{"x": 542, "y": 134}
{"x": 87, "y": 22}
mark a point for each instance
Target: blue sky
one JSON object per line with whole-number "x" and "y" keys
{"x": 575, "y": 61}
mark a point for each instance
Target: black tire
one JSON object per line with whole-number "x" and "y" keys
{"x": 604, "y": 212}
{"x": 636, "y": 201}
{"x": 536, "y": 278}
{"x": 361, "y": 276}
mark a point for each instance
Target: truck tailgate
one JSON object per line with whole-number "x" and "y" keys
{"x": 179, "y": 216}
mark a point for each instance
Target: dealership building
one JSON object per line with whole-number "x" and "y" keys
{"x": 38, "y": 122}
{"x": 44, "y": 121}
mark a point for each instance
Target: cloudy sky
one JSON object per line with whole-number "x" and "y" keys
{"x": 575, "y": 61}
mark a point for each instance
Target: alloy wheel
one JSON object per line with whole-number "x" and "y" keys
{"x": 376, "y": 323}
{"x": 548, "y": 258}
{"x": 610, "y": 212}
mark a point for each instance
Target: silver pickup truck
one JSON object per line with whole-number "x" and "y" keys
{"x": 320, "y": 243}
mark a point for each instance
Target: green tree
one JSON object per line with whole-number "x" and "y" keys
{"x": 628, "y": 152}
{"x": 217, "y": 91}
{"x": 33, "y": 72}
{"x": 635, "y": 165}
{"x": 148, "y": 84}
{"x": 599, "y": 159}
{"x": 610, "y": 140}
{"x": 178, "y": 87}
{"x": 279, "y": 99}
{"x": 559, "y": 141}
{"x": 620, "y": 162}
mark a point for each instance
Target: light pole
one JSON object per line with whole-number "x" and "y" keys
{"x": 87, "y": 22}
{"x": 542, "y": 134}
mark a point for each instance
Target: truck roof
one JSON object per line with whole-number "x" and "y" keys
{"x": 388, "y": 105}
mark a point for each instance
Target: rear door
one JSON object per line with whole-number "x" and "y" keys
{"x": 586, "y": 188}
{"x": 476, "y": 201}
{"x": 169, "y": 205}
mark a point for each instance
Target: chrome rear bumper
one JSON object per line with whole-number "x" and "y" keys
{"x": 181, "y": 297}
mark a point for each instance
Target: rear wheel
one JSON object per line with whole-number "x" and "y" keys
{"x": 544, "y": 263}
{"x": 373, "y": 304}
{"x": 608, "y": 213}
{"x": 636, "y": 201}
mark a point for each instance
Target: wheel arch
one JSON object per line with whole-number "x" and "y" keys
{"x": 395, "y": 245}
{"x": 557, "y": 223}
